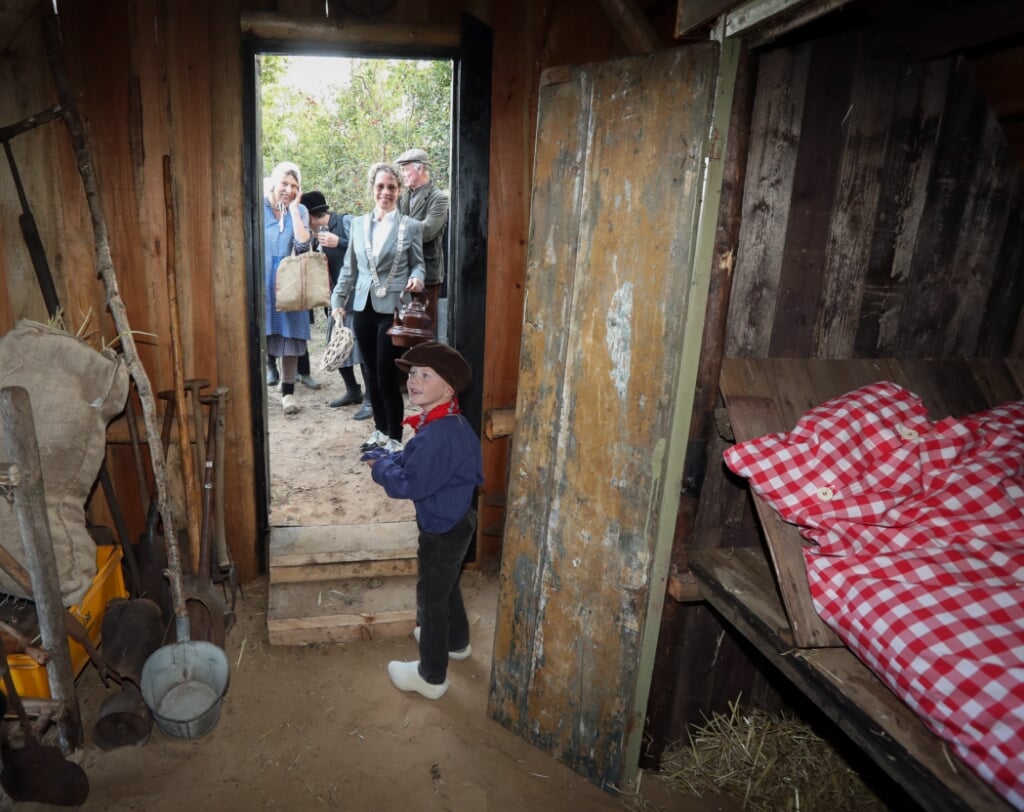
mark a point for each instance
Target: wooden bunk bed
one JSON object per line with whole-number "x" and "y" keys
{"x": 753, "y": 572}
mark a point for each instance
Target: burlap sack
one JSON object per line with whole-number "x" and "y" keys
{"x": 74, "y": 391}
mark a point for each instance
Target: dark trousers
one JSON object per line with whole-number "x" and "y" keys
{"x": 383, "y": 378}
{"x": 440, "y": 612}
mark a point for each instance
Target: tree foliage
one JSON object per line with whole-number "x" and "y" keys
{"x": 375, "y": 110}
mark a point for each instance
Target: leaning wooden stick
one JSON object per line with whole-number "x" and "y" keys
{"x": 188, "y": 470}
{"x": 105, "y": 268}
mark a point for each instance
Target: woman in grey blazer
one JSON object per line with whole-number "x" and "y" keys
{"x": 384, "y": 259}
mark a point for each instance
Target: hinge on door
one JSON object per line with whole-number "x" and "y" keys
{"x": 714, "y": 145}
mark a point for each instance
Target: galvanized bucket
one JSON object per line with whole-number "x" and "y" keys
{"x": 183, "y": 684}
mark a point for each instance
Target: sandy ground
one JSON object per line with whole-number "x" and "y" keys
{"x": 315, "y": 472}
{"x": 321, "y": 727}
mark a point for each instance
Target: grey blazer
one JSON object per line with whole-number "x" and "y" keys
{"x": 355, "y": 270}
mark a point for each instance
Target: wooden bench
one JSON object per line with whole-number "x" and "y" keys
{"x": 762, "y": 590}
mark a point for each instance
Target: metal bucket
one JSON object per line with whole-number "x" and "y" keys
{"x": 183, "y": 685}
{"x": 124, "y": 720}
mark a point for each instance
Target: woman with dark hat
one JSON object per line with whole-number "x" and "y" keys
{"x": 331, "y": 232}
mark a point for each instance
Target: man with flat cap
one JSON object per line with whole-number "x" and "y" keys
{"x": 423, "y": 201}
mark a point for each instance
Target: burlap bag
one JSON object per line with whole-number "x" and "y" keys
{"x": 74, "y": 391}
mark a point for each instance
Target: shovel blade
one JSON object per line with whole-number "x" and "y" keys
{"x": 40, "y": 774}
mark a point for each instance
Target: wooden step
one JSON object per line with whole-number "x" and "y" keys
{"x": 341, "y": 610}
{"x": 322, "y": 552}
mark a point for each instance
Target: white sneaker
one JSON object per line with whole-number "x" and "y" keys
{"x": 377, "y": 440}
{"x": 461, "y": 654}
{"x": 406, "y": 677}
{"x": 290, "y": 403}
{"x": 392, "y": 445}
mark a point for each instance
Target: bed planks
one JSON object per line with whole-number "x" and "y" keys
{"x": 770, "y": 395}
{"x": 766, "y": 597}
{"x": 739, "y": 584}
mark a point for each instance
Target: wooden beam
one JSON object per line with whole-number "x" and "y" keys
{"x": 691, "y": 14}
{"x": 772, "y": 18}
{"x": 499, "y": 422}
{"x": 632, "y": 25}
{"x": 683, "y": 587}
{"x": 268, "y": 25}
{"x": 970, "y": 27}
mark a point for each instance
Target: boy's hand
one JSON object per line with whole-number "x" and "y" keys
{"x": 373, "y": 455}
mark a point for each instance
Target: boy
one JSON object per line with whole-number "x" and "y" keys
{"x": 439, "y": 469}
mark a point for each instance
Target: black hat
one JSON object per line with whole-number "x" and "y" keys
{"x": 445, "y": 361}
{"x": 314, "y": 201}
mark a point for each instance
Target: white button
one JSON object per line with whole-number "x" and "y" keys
{"x": 908, "y": 434}
{"x": 825, "y": 494}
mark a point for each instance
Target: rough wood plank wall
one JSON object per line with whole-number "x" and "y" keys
{"x": 905, "y": 177}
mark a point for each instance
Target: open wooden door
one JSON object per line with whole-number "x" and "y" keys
{"x": 603, "y": 403}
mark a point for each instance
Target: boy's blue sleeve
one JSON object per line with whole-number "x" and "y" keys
{"x": 414, "y": 475}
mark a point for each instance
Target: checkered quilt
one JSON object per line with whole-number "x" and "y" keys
{"x": 918, "y": 555}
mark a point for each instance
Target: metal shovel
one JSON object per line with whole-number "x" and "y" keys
{"x": 37, "y": 772}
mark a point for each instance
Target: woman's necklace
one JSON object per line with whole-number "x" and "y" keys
{"x": 380, "y": 289}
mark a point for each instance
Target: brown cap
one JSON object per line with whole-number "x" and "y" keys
{"x": 445, "y": 361}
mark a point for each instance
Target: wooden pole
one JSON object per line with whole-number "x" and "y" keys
{"x": 19, "y": 432}
{"x": 188, "y": 469}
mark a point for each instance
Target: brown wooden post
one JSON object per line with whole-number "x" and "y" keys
{"x": 19, "y": 432}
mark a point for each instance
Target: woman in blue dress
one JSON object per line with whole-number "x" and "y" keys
{"x": 285, "y": 226}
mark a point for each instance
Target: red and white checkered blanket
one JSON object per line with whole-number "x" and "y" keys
{"x": 918, "y": 562}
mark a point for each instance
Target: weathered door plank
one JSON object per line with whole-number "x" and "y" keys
{"x": 617, "y": 177}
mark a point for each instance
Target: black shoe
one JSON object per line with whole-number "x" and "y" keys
{"x": 365, "y": 412}
{"x": 350, "y": 397}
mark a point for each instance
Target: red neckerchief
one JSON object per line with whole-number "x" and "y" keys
{"x": 418, "y": 421}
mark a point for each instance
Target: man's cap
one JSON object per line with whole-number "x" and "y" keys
{"x": 445, "y": 361}
{"x": 413, "y": 156}
{"x": 314, "y": 201}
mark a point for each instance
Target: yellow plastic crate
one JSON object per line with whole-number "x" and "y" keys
{"x": 29, "y": 677}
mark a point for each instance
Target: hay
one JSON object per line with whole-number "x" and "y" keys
{"x": 769, "y": 761}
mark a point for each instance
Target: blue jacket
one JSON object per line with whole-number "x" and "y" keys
{"x": 438, "y": 470}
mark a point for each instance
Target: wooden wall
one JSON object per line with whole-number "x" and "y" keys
{"x": 168, "y": 81}
{"x": 882, "y": 214}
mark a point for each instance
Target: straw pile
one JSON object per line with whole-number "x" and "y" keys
{"x": 770, "y": 761}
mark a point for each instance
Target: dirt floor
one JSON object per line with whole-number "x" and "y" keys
{"x": 321, "y": 727}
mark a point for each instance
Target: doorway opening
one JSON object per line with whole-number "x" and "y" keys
{"x": 466, "y": 245}
{"x": 334, "y": 117}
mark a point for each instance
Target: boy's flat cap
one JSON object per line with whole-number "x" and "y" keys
{"x": 445, "y": 361}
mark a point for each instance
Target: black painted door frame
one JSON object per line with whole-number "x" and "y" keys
{"x": 467, "y": 225}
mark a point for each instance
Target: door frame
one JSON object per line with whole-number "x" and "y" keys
{"x": 467, "y": 230}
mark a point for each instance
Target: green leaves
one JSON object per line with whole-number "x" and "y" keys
{"x": 369, "y": 110}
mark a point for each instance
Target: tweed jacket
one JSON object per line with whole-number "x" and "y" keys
{"x": 355, "y": 270}
{"x": 429, "y": 205}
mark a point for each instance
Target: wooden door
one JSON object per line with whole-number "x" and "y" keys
{"x": 596, "y": 457}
